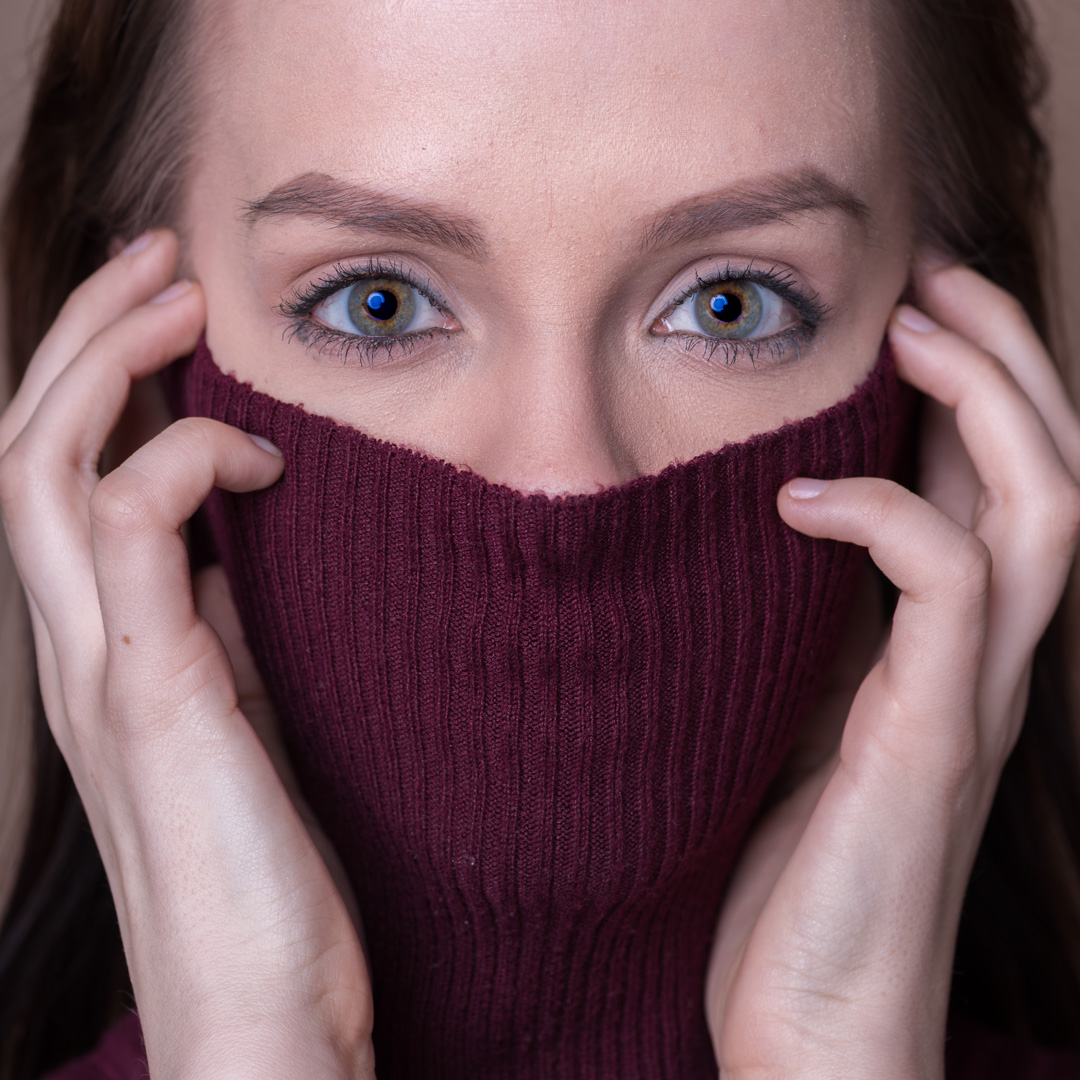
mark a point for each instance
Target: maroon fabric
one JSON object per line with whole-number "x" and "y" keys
{"x": 537, "y": 730}
{"x": 119, "y": 1056}
{"x": 971, "y": 1053}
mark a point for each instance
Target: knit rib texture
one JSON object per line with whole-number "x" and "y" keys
{"x": 537, "y": 730}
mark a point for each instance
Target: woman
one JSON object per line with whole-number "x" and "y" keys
{"x": 536, "y": 702}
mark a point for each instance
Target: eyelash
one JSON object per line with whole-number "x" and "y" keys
{"x": 812, "y": 311}
{"x": 315, "y": 335}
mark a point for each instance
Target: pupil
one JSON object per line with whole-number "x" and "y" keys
{"x": 726, "y": 307}
{"x": 381, "y": 305}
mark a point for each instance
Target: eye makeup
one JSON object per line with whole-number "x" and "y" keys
{"x": 716, "y": 315}
{"x": 736, "y": 312}
{"x": 377, "y": 339}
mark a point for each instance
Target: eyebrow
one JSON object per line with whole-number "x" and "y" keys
{"x": 777, "y": 197}
{"x": 773, "y": 198}
{"x": 360, "y": 207}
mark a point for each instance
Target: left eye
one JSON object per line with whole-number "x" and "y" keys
{"x": 734, "y": 310}
{"x": 378, "y": 307}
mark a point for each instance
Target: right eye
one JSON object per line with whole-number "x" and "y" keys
{"x": 732, "y": 309}
{"x": 380, "y": 307}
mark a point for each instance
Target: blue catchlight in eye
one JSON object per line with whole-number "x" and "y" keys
{"x": 381, "y": 305}
{"x": 733, "y": 309}
{"x": 726, "y": 307}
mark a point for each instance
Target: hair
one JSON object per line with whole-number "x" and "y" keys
{"x": 105, "y": 154}
{"x": 106, "y": 151}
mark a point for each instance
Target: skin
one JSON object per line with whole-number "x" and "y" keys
{"x": 553, "y": 381}
{"x": 578, "y": 137}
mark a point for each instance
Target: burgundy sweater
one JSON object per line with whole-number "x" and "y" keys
{"x": 971, "y": 1053}
{"x": 537, "y": 730}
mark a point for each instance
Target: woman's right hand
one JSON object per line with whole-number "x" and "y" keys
{"x": 242, "y": 953}
{"x": 835, "y": 947}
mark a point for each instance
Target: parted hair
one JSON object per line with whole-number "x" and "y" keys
{"x": 108, "y": 144}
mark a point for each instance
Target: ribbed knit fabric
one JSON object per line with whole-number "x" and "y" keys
{"x": 537, "y": 730}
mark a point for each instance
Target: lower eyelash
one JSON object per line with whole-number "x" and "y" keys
{"x": 777, "y": 347}
{"x": 363, "y": 349}
{"x": 302, "y": 327}
{"x": 812, "y": 310}
{"x": 349, "y": 347}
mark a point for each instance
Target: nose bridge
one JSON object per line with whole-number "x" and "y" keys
{"x": 549, "y": 424}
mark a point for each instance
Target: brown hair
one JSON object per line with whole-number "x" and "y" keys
{"x": 105, "y": 154}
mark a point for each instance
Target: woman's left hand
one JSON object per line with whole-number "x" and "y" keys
{"x": 835, "y": 945}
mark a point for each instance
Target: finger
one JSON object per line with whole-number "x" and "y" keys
{"x": 49, "y": 471}
{"x": 129, "y": 279}
{"x": 1002, "y": 429}
{"x": 984, "y": 313}
{"x": 1032, "y": 511}
{"x": 947, "y": 478}
{"x": 152, "y": 629}
{"x": 81, "y": 407}
{"x": 214, "y": 603}
{"x": 943, "y": 573}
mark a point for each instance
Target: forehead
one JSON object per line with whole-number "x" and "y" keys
{"x": 538, "y": 103}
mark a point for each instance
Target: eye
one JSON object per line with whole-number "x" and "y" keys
{"x": 380, "y": 307}
{"x": 736, "y": 309}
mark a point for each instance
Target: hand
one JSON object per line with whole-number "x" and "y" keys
{"x": 835, "y": 944}
{"x": 242, "y": 953}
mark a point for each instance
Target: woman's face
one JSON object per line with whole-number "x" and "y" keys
{"x": 561, "y": 242}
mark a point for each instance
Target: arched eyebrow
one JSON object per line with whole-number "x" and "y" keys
{"x": 357, "y": 206}
{"x": 772, "y": 198}
{"x": 751, "y": 204}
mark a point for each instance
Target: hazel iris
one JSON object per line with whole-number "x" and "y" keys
{"x": 380, "y": 307}
{"x": 729, "y": 309}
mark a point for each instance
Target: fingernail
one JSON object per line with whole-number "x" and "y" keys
{"x": 265, "y": 444}
{"x": 175, "y": 290}
{"x": 915, "y": 320}
{"x": 804, "y": 488}
{"x": 140, "y": 243}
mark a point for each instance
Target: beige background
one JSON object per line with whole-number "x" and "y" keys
{"x": 22, "y": 26}
{"x": 1059, "y": 32}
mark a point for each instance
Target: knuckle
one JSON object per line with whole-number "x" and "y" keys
{"x": 19, "y": 469}
{"x": 958, "y": 759}
{"x": 191, "y": 431}
{"x": 83, "y": 296}
{"x": 992, "y": 369}
{"x": 942, "y": 758}
{"x": 1011, "y": 309}
{"x": 970, "y": 569}
{"x": 888, "y": 499}
{"x": 86, "y": 297}
{"x": 120, "y": 504}
{"x": 188, "y": 443}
